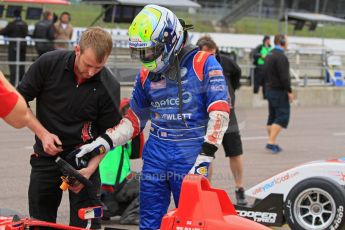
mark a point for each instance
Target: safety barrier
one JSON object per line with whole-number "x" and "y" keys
{"x": 306, "y": 68}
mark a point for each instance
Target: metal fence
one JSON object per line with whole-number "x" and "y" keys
{"x": 306, "y": 68}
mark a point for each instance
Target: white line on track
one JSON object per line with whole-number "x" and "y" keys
{"x": 254, "y": 138}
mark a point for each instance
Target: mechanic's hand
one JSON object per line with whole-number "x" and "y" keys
{"x": 99, "y": 146}
{"x": 201, "y": 165}
{"x": 51, "y": 144}
{"x": 86, "y": 172}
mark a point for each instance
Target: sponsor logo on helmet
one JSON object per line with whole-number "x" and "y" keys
{"x": 139, "y": 44}
{"x": 135, "y": 39}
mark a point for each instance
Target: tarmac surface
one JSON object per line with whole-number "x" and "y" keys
{"x": 314, "y": 133}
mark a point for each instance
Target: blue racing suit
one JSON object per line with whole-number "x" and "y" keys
{"x": 176, "y": 136}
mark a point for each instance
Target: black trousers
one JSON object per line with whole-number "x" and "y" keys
{"x": 45, "y": 193}
{"x": 259, "y": 80}
{"x": 124, "y": 201}
{"x": 12, "y": 56}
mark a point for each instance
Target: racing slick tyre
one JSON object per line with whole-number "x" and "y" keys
{"x": 315, "y": 203}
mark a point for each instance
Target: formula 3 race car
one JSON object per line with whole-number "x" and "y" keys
{"x": 201, "y": 207}
{"x": 309, "y": 196}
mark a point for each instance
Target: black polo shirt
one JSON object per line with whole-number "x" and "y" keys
{"x": 75, "y": 113}
{"x": 277, "y": 71}
{"x": 231, "y": 72}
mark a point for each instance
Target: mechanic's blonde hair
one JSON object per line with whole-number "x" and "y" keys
{"x": 98, "y": 40}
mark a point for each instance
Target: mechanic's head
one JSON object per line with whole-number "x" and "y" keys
{"x": 92, "y": 52}
{"x": 155, "y": 37}
{"x": 206, "y": 43}
{"x": 281, "y": 40}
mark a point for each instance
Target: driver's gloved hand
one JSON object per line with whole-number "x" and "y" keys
{"x": 99, "y": 146}
{"x": 204, "y": 160}
{"x": 201, "y": 165}
{"x": 72, "y": 160}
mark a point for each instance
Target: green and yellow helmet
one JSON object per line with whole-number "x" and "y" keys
{"x": 155, "y": 37}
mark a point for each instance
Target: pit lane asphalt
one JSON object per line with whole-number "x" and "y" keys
{"x": 314, "y": 133}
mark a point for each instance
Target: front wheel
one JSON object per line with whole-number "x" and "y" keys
{"x": 316, "y": 203}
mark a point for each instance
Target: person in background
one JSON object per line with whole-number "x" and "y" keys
{"x": 183, "y": 92}
{"x": 232, "y": 142}
{"x": 120, "y": 185}
{"x": 279, "y": 93}
{"x": 16, "y": 29}
{"x": 44, "y": 29}
{"x": 63, "y": 31}
{"x": 74, "y": 106}
{"x": 260, "y": 53}
{"x": 13, "y": 109}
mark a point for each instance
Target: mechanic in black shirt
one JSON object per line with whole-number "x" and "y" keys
{"x": 16, "y": 29}
{"x": 74, "y": 106}
{"x": 232, "y": 142}
{"x": 44, "y": 29}
{"x": 279, "y": 93}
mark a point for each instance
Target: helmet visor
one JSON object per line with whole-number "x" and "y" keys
{"x": 147, "y": 54}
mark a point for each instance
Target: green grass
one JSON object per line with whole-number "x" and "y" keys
{"x": 85, "y": 14}
{"x": 270, "y": 26}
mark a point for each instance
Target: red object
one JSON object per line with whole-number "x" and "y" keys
{"x": 54, "y": 2}
{"x": 7, "y": 223}
{"x": 90, "y": 213}
{"x": 132, "y": 117}
{"x": 199, "y": 62}
{"x": 107, "y": 188}
{"x": 15, "y": 223}
{"x": 219, "y": 106}
{"x": 124, "y": 102}
{"x": 7, "y": 101}
{"x": 204, "y": 208}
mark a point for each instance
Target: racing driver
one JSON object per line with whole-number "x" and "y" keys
{"x": 183, "y": 92}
